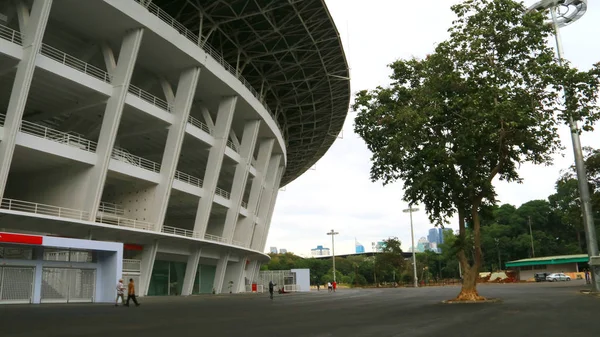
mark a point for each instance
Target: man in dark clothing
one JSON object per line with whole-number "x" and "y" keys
{"x": 271, "y": 287}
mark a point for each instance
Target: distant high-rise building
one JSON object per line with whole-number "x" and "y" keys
{"x": 378, "y": 247}
{"x": 282, "y": 251}
{"x": 434, "y": 236}
{"x": 273, "y": 250}
{"x": 442, "y": 231}
{"x": 358, "y": 248}
{"x": 319, "y": 251}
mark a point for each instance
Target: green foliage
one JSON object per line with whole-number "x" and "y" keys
{"x": 482, "y": 104}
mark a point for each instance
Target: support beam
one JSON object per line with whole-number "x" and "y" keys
{"x": 33, "y": 32}
{"x": 234, "y": 139}
{"x": 239, "y": 274}
{"x": 23, "y": 15}
{"x": 262, "y": 165}
{"x": 265, "y": 202}
{"x": 186, "y": 89}
{"x": 112, "y": 118}
{"x": 191, "y": 270}
{"x": 167, "y": 90}
{"x": 207, "y": 118}
{"x": 240, "y": 177}
{"x": 214, "y": 163}
{"x": 109, "y": 58}
{"x": 148, "y": 258}
{"x": 273, "y": 202}
{"x": 220, "y": 273}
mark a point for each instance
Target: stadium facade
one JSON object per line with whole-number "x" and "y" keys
{"x": 168, "y": 126}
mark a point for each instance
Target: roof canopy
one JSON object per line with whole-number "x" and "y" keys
{"x": 291, "y": 53}
{"x": 536, "y": 261}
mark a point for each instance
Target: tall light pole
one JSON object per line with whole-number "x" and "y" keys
{"x": 563, "y": 13}
{"x": 410, "y": 210}
{"x": 333, "y": 233}
{"x": 531, "y": 237}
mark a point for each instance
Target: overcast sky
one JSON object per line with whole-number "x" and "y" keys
{"x": 338, "y": 193}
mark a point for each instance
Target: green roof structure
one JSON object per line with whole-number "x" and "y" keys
{"x": 536, "y": 261}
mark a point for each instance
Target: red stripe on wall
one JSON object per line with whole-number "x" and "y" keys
{"x": 131, "y": 246}
{"x": 21, "y": 238}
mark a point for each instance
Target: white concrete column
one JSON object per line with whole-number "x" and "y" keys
{"x": 265, "y": 202}
{"x": 112, "y": 118}
{"x": 191, "y": 270}
{"x": 220, "y": 273}
{"x": 240, "y": 178}
{"x": 32, "y": 28}
{"x": 214, "y": 163}
{"x": 239, "y": 272}
{"x": 269, "y": 214}
{"x": 148, "y": 258}
{"x": 262, "y": 164}
{"x": 186, "y": 89}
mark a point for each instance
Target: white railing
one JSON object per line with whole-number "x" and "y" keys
{"x": 2, "y": 119}
{"x": 290, "y": 288}
{"x": 181, "y": 232}
{"x": 32, "y": 207}
{"x": 110, "y": 219}
{"x": 199, "y": 124}
{"x": 222, "y": 192}
{"x": 244, "y": 204}
{"x": 231, "y": 145}
{"x": 75, "y": 63}
{"x": 130, "y": 265}
{"x": 181, "y": 29}
{"x": 238, "y": 243}
{"x": 148, "y": 97}
{"x": 110, "y": 208}
{"x": 186, "y": 178}
{"x": 11, "y": 35}
{"x": 71, "y": 139}
{"x": 214, "y": 238}
{"x": 126, "y": 157}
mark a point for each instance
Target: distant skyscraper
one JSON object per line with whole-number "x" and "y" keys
{"x": 434, "y": 236}
{"x": 358, "y": 248}
{"x": 273, "y": 250}
{"x": 378, "y": 247}
{"x": 282, "y": 251}
{"x": 319, "y": 251}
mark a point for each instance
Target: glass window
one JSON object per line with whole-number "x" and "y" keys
{"x": 16, "y": 252}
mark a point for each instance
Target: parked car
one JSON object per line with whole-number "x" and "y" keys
{"x": 540, "y": 277}
{"x": 558, "y": 277}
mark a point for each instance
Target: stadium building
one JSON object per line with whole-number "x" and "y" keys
{"x": 167, "y": 126}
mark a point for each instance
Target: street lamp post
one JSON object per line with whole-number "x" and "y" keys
{"x": 333, "y": 233}
{"x": 410, "y": 210}
{"x": 571, "y": 11}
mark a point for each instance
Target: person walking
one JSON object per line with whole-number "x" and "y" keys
{"x": 329, "y": 287}
{"x": 334, "y": 286}
{"x": 271, "y": 289}
{"x": 131, "y": 293}
{"x": 120, "y": 293}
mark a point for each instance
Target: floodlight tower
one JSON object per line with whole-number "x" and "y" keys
{"x": 563, "y": 13}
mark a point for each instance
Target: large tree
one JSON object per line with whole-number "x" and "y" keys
{"x": 469, "y": 113}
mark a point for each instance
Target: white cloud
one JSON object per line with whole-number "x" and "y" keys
{"x": 339, "y": 193}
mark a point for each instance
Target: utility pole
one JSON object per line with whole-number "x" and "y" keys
{"x": 410, "y": 210}
{"x": 531, "y": 236}
{"x": 571, "y": 11}
{"x": 333, "y": 233}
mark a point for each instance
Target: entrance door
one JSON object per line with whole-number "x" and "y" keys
{"x": 16, "y": 285}
{"x": 64, "y": 285}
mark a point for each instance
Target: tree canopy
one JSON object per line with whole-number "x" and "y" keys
{"x": 474, "y": 110}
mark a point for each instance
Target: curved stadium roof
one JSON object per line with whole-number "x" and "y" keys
{"x": 292, "y": 50}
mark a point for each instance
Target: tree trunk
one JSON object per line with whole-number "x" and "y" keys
{"x": 468, "y": 292}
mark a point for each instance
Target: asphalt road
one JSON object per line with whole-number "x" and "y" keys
{"x": 543, "y": 309}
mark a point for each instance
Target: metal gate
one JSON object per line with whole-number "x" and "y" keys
{"x": 16, "y": 285}
{"x": 64, "y": 285}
